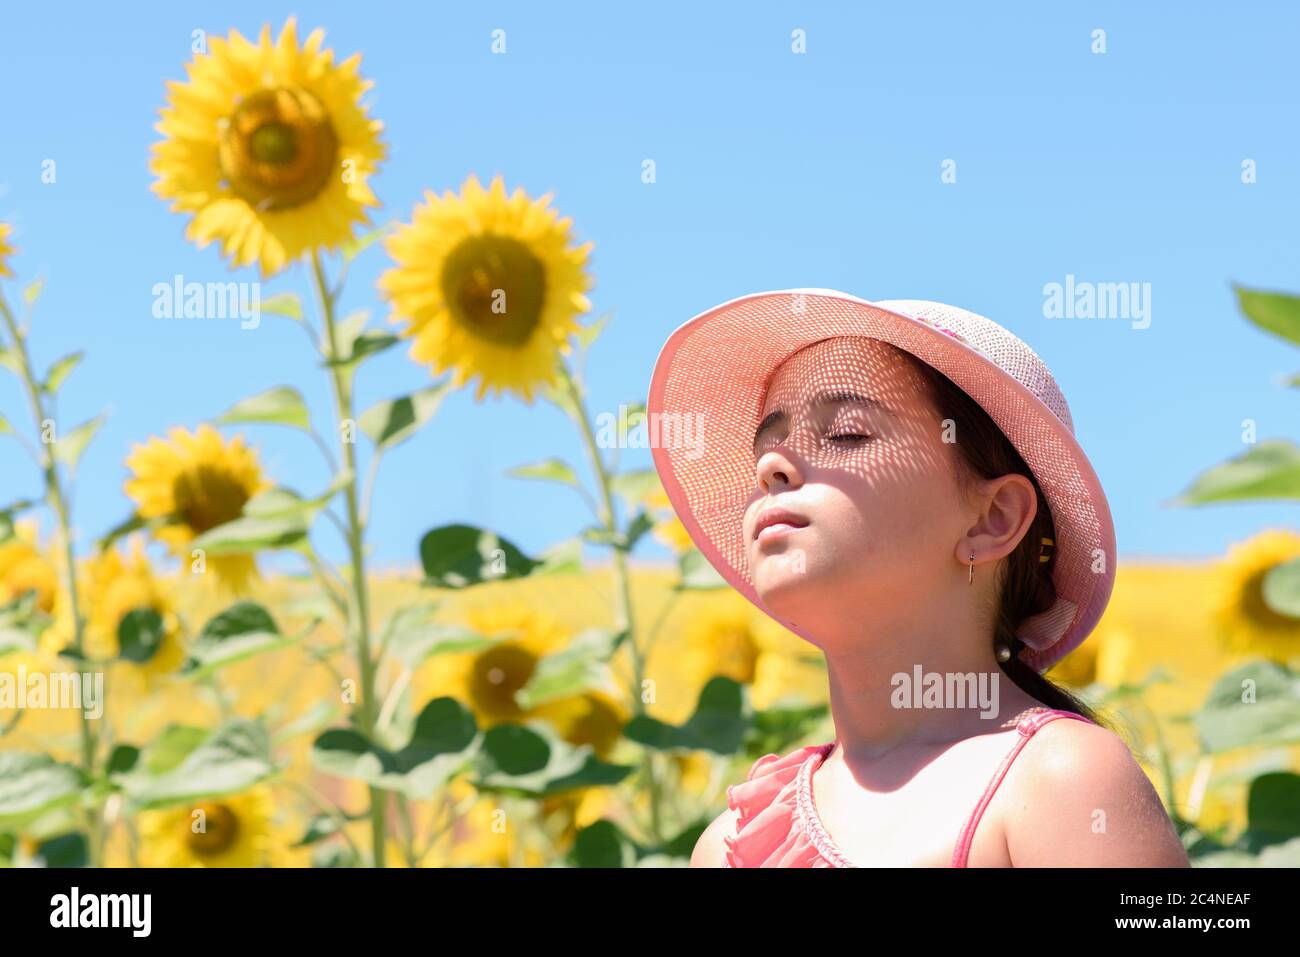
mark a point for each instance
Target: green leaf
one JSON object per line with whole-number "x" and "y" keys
{"x": 234, "y": 757}
{"x": 562, "y": 558}
{"x": 640, "y": 524}
{"x": 591, "y": 331}
{"x": 32, "y": 291}
{"x": 5, "y": 427}
{"x": 718, "y": 724}
{"x": 1273, "y": 312}
{"x": 602, "y": 844}
{"x": 456, "y": 556}
{"x": 33, "y": 784}
{"x": 322, "y": 826}
{"x": 252, "y": 533}
{"x": 314, "y": 719}
{"x": 241, "y": 618}
{"x": 139, "y": 635}
{"x": 241, "y": 631}
{"x": 696, "y": 573}
{"x": 1256, "y": 704}
{"x": 70, "y": 447}
{"x": 1281, "y": 589}
{"x": 551, "y": 470}
{"x": 532, "y": 760}
{"x": 128, "y": 525}
{"x": 413, "y": 636}
{"x": 352, "y": 248}
{"x": 283, "y": 405}
{"x": 1270, "y": 470}
{"x": 1272, "y": 810}
{"x": 635, "y": 486}
{"x": 558, "y": 394}
{"x": 7, "y": 514}
{"x": 443, "y": 732}
{"x": 123, "y": 759}
{"x": 284, "y": 503}
{"x": 60, "y": 371}
{"x": 10, "y": 360}
{"x": 364, "y": 345}
{"x": 65, "y": 850}
{"x": 285, "y": 304}
{"x": 581, "y": 665}
{"x": 391, "y": 422}
{"x": 171, "y": 747}
{"x": 15, "y": 639}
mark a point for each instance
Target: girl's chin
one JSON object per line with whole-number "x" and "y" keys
{"x": 783, "y": 590}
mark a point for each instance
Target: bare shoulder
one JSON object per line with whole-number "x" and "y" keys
{"x": 710, "y": 849}
{"x": 1080, "y": 799}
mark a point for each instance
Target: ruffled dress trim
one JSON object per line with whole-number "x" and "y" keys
{"x": 777, "y": 825}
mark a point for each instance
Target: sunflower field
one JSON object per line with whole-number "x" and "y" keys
{"x": 491, "y": 708}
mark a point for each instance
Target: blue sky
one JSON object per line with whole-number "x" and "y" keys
{"x": 774, "y": 170}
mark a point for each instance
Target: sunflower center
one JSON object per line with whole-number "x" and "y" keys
{"x": 273, "y": 143}
{"x": 206, "y": 497}
{"x": 498, "y": 673}
{"x": 495, "y": 287}
{"x": 278, "y": 149}
{"x": 1257, "y": 609}
{"x": 212, "y": 831}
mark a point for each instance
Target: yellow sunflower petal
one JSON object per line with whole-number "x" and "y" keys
{"x": 268, "y": 145}
{"x": 6, "y": 250}
{"x": 197, "y": 481}
{"x": 488, "y": 287}
{"x": 1246, "y": 624}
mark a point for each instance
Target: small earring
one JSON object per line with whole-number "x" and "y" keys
{"x": 1003, "y": 653}
{"x": 970, "y": 576}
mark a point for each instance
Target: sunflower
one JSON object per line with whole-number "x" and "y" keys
{"x": 489, "y": 287}
{"x": 485, "y": 834}
{"x": 721, "y": 640}
{"x": 24, "y": 568}
{"x": 487, "y": 679}
{"x": 1246, "y": 624}
{"x": 231, "y": 831}
{"x": 196, "y": 481}
{"x": 111, "y": 585}
{"x": 269, "y": 147}
{"x": 6, "y": 250}
{"x": 670, "y": 529}
{"x": 1078, "y": 669}
{"x": 592, "y": 718}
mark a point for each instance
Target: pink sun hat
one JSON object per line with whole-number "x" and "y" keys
{"x": 710, "y": 382}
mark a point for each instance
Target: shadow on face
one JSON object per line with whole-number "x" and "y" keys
{"x": 855, "y": 484}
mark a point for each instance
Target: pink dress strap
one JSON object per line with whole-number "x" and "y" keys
{"x": 1030, "y": 722}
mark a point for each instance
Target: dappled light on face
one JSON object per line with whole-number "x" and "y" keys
{"x": 848, "y": 404}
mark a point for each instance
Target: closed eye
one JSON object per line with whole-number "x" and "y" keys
{"x": 849, "y": 437}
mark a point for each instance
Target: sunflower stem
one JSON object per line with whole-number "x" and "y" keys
{"x": 622, "y": 580}
{"x": 355, "y": 532}
{"x": 58, "y": 503}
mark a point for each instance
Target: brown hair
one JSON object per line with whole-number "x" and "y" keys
{"x": 1027, "y": 587}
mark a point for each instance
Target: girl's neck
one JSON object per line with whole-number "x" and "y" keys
{"x": 887, "y": 698}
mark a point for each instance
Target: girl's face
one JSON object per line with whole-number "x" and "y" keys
{"x": 850, "y": 445}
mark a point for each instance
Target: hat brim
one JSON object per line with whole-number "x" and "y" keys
{"x": 707, "y": 392}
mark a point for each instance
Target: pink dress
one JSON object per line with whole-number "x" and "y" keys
{"x": 778, "y": 824}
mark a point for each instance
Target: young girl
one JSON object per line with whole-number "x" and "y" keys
{"x": 899, "y": 484}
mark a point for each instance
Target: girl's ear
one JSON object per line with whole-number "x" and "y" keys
{"x": 1009, "y": 504}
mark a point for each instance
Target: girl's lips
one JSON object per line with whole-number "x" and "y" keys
{"x": 775, "y": 531}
